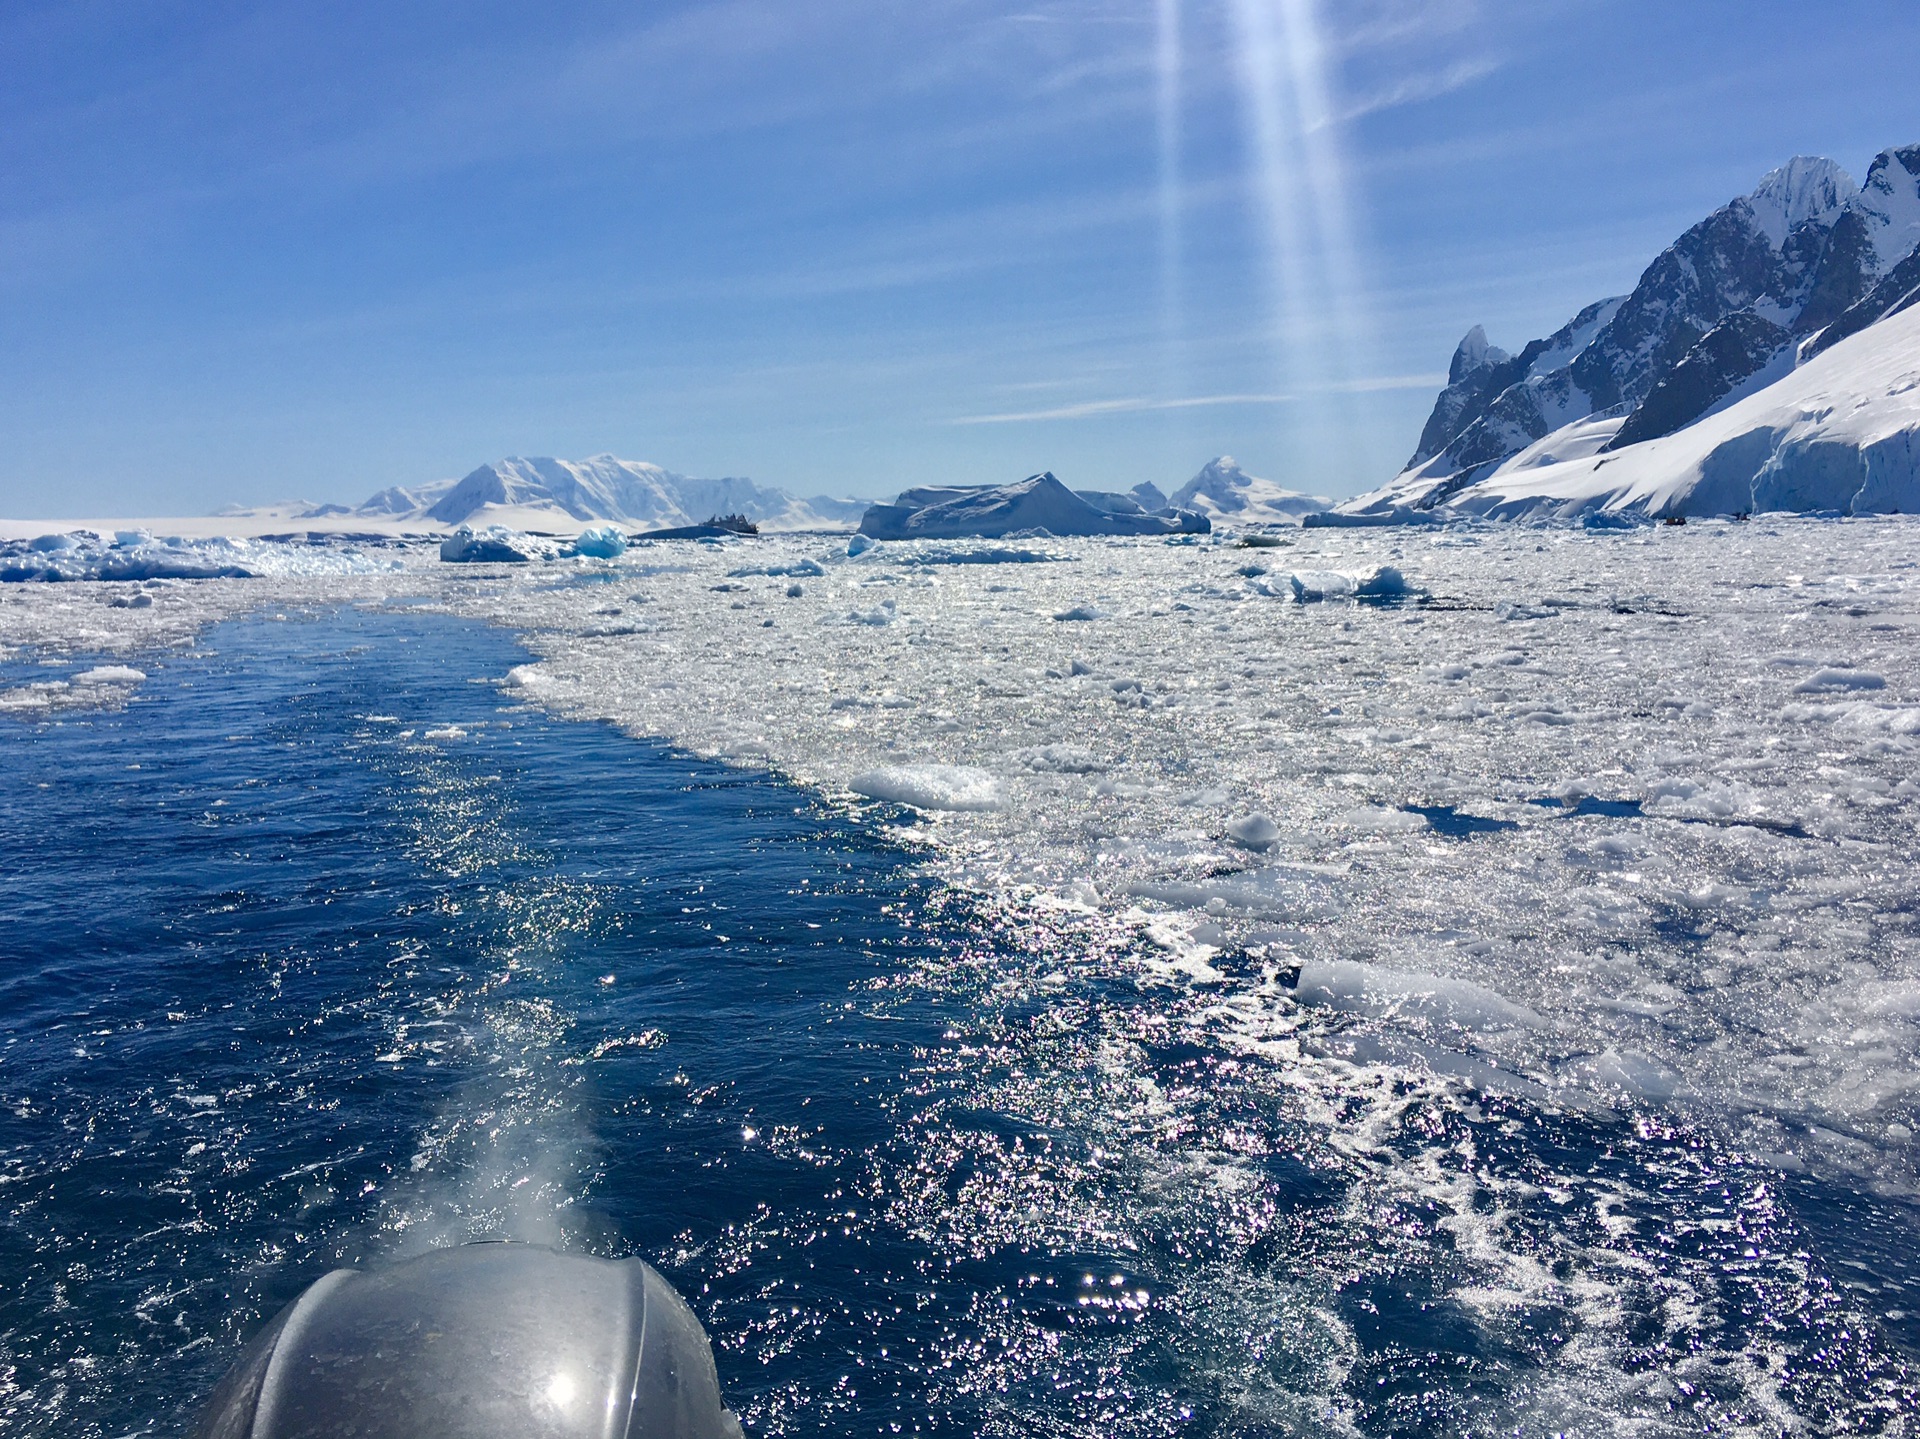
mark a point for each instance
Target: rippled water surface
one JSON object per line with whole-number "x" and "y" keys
{"x": 320, "y": 951}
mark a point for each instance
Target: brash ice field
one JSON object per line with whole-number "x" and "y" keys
{"x": 1486, "y": 1006}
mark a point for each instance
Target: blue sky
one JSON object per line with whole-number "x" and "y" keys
{"x": 258, "y": 251}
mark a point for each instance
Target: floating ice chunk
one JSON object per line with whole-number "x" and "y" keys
{"x": 1626, "y": 1073}
{"x": 1081, "y": 612}
{"x": 1379, "y": 583}
{"x": 1297, "y": 893}
{"x": 1373, "y": 989}
{"x": 860, "y": 544}
{"x": 1373, "y": 820}
{"x": 530, "y": 677}
{"x": 796, "y": 590}
{"x": 130, "y": 539}
{"x": 110, "y": 675}
{"x": 1063, "y": 759}
{"x": 1684, "y": 797}
{"x": 53, "y": 544}
{"x": 798, "y": 567}
{"x": 1860, "y": 714}
{"x": 884, "y": 615}
{"x": 445, "y": 732}
{"x": 1822, "y": 680}
{"x": 496, "y": 544}
{"x": 1253, "y": 831}
{"x": 987, "y": 555}
{"x": 931, "y": 786}
{"x": 600, "y": 542}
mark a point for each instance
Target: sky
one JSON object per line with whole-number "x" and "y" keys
{"x": 257, "y": 251}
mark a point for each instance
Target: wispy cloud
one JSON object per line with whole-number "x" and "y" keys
{"x": 1375, "y": 383}
{"x": 1428, "y": 85}
{"x": 1093, "y": 409}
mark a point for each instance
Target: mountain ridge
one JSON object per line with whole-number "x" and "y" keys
{"x": 1765, "y": 283}
{"x": 605, "y": 488}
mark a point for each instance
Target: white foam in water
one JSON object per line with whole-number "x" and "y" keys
{"x": 1599, "y": 821}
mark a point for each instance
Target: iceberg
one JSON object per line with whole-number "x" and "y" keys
{"x": 1382, "y": 582}
{"x": 1039, "y": 503}
{"x": 599, "y": 542}
{"x": 496, "y": 544}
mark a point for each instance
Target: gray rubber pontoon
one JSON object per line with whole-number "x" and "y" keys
{"x": 486, "y": 1341}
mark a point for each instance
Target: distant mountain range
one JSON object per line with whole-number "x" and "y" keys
{"x": 564, "y": 493}
{"x": 1806, "y": 264}
{"x": 628, "y": 492}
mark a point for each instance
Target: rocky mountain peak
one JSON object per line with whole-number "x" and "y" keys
{"x": 1807, "y": 189}
{"x": 1473, "y": 353}
{"x": 1890, "y": 199}
{"x": 1717, "y": 310}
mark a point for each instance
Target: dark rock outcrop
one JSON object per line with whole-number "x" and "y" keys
{"x": 1725, "y": 358}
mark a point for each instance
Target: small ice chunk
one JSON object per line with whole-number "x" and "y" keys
{"x": 931, "y": 786}
{"x": 1384, "y": 821}
{"x": 1081, "y": 612}
{"x": 1374, "y": 989}
{"x": 1626, "y": 1073}
{"x": 52, "y": 544}
{"x": 1379, "y": 583}
{"x": 496, "y": 544}
{"x": 1064, "y": 759}
{"x": 1253, "y": 831}
{"x": 795, "y": 590}
{"x": 600, "y": 542}
{"x": 110, "y": 675}
{"x": 1080, "y": 667}
{"x": 529, "y": 677}
{"x": 860, "y": 544}
{"x": 811, "y": 568}
{"x": 1822, "y": 680}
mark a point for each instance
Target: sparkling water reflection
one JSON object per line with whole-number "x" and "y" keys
{"x": 317, "y": 953}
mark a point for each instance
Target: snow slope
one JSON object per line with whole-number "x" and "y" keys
{"x": 1842, "y": 433}
{"x": 1725, "y": 309}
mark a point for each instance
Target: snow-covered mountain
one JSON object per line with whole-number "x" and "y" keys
{"x": 605, "y": 487}
{"x": 1224, "y": 492}
{"x": 1839, "y": 434}
{"x": 1804, "y": 264}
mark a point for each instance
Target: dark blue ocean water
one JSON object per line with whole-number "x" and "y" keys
{"x": 319, "y": 952}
